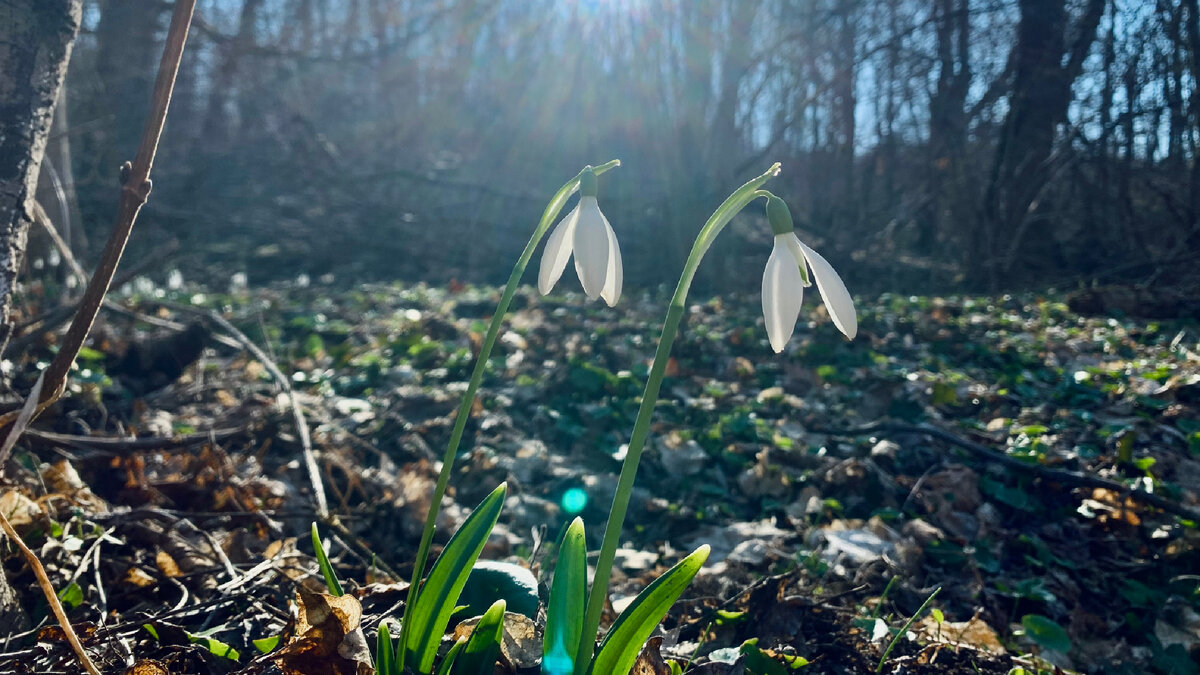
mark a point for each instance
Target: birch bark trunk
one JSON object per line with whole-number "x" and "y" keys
{"x": 35, "y": 45}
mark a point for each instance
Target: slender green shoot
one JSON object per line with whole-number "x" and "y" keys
{"x": 641, "y": 427}
{"x": 891, "y": 645}
{"x": 385, "y": 652}
{"x": 452, "y": 657}
{"x": 564, "y": 611}
{"x": 464, "y": 409}
{"x": 483, "y": 647}
{"x": 331, "y": 579}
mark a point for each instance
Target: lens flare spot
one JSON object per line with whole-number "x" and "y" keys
{"x": 574, "y": 500}
{"x": 558, "y": 663}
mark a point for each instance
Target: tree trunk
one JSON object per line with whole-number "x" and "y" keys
{"x": 1045, "y": 70}
{"x": 948, "y": 127}
{"x": 1191, "y": 30}
{"x": 35, "y": 44}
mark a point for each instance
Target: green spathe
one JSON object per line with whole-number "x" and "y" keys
{"x": 779, "y": 216}
{"x": 587, "y": 182}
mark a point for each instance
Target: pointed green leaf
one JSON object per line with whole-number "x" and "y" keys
{"x": 71, "y": 595}
{"x": 331, "y": 579}
{"x": 625, "y": 639}
{"x": 451, "y": 657}
{"x": 437, "y": 598}
{"x": 265, "y": 645}
{"x": 385, "y": 652}
{"x": 1046, "y": 632}
{"x": 568, "y": 594}
{"x": 483, "y": 647}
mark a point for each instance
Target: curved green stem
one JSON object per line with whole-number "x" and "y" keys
{"x": 464, "y": 409}
{"x": 641, "y": 427}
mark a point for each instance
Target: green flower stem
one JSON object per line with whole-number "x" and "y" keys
{"x": 641, "y": 427}
{"x": 464, "y": 409}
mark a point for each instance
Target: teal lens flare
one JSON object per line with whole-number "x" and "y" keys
{"x": 574, "y": 501}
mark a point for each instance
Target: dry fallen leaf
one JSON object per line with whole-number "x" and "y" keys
{"x": 327, "y": 638}
{"x": 650, "y": 661}
{"x": 147, "y": 667}
{"x": 19, "y": 509}
{"x": 167, "y": 565}
{"x": 137, "y": 577}
{"x": 974, "y": 633}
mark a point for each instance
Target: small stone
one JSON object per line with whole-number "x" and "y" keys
{"x": 885, "y": 449}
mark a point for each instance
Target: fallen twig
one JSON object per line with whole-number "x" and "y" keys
{"x": 1071, "y": 478}
{"x": 127, "y": 445}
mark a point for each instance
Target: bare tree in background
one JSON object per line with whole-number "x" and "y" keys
{"x": 1046, "y": 65}
{"x": 1029, "y": 142}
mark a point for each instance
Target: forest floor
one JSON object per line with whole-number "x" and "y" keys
{"x": 998, "y": 449}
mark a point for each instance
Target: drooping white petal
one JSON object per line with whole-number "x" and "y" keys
{"x": 613, "y": 280}
{"x": 591, "y": 247}
{"x": 782, "y": 293}
{"x": 833, "y": 292}
{"x": 793, "y": 245}
{"x": 557, "y": 251}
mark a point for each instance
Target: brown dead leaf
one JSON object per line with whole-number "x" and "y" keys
{"x": 136, "y": 577}
{"x": 19, "y": 509}
{"x": 167, "y": 565}
{"x": 650, "y": 661}
{"x": 1109, "y": 507}
{"x": 147, "y": 667}
{"x": 975, "y": 633}
{"x": 84, "y": 630}
{"x": 327, "y": 638}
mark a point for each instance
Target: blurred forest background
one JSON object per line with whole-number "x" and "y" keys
{"x": 976, "y": 144}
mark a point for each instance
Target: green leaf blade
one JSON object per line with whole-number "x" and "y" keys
{"x": 331, "y": 580}
{"x": 437, "y": 599}
{"x": 1046, "y": 632}
{"x": 483, "y": 647}
{"x": 452, "y": 657}
{"x": 385, "y": 652}
{"x": 564, "y": 614}
{"x": 625, "y": 639}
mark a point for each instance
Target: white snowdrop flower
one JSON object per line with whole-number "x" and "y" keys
{"x": 238, "y": 282}
{"x": 586, "y": 233}
{"x": 303, "y": 280}
{"x": 175, "y": 280}
{"x": 786, "y": 275}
